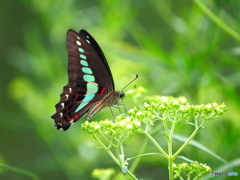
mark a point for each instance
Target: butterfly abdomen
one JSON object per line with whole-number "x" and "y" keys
{"x": 107, "y": 101}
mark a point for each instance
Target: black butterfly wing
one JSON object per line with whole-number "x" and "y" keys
{"x": 94, "y": 57}
{"x": 90, "y": 79}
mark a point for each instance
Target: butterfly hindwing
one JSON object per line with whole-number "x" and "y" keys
{"x": 90, "y": 87}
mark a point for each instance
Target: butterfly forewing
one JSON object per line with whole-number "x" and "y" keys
{"x": 86, "y": 51}
{"x": 90, "y": 86}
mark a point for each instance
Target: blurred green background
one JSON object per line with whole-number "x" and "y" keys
{"x": 174, "y": 47}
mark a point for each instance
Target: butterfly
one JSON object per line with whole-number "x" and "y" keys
{"x": 91, "y": 87}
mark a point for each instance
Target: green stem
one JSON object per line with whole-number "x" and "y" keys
{"x": 170, "y": 140}
{"x": 154, "y": 142}
{"x": 181, "y": 178}
{"x": 201, "y": 125}
{"x": 166, "y": 128}
{"x": 170, "y": 168}
{"x": 108, "y": 151}
{"x": 109, "y": 142}
{"x": 170, "y": 152}
{"x": 118, "y": 156}
{"x": 113, "y": 156}
{"x": 122, "y": 155}
{"x": 218, "y": 21}
{"x": 187, "y": 142}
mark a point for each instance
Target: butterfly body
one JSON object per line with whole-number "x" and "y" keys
{"x": 90, "y": 88}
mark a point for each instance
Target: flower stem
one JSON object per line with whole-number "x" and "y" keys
{"x": 171, "y": 158}
{"x": 170, "y": 168}
{"x": 154, "y": 142}
{"x": 187, "y": 142}
{"x": 113, "y": 156}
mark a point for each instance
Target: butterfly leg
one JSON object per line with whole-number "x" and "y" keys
{"x": 121, "y": 103}
{"x": 125, "y": 108}
{"x": 117, "y": 105}
{"x": 112, "y": 112}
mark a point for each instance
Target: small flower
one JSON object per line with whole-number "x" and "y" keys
{"x": 146, "y": 105}
{"x": 182, "y": 99}
{"x": 97, "y": 126}
{"x": 131, "y": 111}
{"x": 129, "y": 126}
{"x": 137, "y": 123}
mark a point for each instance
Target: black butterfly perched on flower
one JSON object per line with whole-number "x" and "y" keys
{"x": 90, "y": 88}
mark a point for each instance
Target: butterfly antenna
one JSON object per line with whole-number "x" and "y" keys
{"x": 125, "y": 108}
{"x": 130, "y": 83}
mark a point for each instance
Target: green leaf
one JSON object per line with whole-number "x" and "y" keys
{"x": 142, "y": 155}
{"x": 199, "y": 146}
{"x": 19, "y": 170}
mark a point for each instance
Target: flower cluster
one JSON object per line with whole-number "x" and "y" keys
{"x": 121, "y": 128}
{"x": 193, "y": 169}
{"x": 210, "y": 110}
{"x": 155, "y": 108}
{"x": 175, "y": 109}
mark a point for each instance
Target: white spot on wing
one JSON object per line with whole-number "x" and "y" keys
{"x": 62, "y": 104}
{"x": 70, "y": 89}
{"x": 61, "y": 114}
{"x": 88, "y": 41}
{"x": 78, "y": 43}
{"x": 66, "y": 96}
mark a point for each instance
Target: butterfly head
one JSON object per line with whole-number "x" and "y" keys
{"x": 121, "y": 95}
